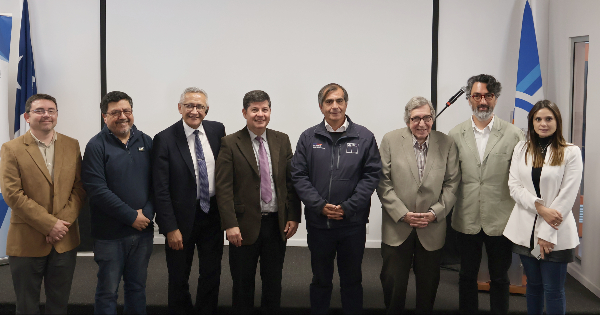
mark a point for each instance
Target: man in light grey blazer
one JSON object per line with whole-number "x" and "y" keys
{"x": 417, "y": 190}
{"x": 485, "y": 145}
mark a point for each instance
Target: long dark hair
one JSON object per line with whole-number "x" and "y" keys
{"x": 557, "y": 142}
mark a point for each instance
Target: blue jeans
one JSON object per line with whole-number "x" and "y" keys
{"x": 124, "y": 257}
{"x": 545, "y": 279}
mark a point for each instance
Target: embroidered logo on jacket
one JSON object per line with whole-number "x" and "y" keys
{"x": 352, "y": 147}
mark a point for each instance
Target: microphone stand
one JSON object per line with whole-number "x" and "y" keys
{"x": 451, "y": 101}
{"x": 447, "y": 105}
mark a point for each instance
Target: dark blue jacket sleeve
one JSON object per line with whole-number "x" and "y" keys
{"x": 94, "y": 182}
{"x": 361, "y": 198}
{"x": 306, "y": 191}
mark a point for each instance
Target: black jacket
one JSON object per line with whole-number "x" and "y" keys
{"x": 174, "y": 178}
{"x": 118, "y": 182}
{"x": 344, "y": 173}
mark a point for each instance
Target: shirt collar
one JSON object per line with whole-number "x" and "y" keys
{"x": 488, "y": 127}
{"x": 415, "y": 141}
{"x": 343, "y": 128}
{"x": 253, "y": 135}
{"x": 40, "y": 142}
{"x": 189, "y": 130}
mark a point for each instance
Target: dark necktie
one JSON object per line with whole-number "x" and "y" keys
{"x": 265, "y": 178}
{"x": 203, "y": 195}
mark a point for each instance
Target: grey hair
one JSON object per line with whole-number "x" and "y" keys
{"x": 417, "y": 102}
{"x": 192, "y": 90}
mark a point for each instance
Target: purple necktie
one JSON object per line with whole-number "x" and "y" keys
{"x": 265, "y": 178}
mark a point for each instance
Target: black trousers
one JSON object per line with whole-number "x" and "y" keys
{"x": 207, "y": 238}
{"x": 270, "y": 247}
{"x": 397, "y": 261}
{"x": 57, "y": 272}
{"x": 499, "y": 251}
{"x": 348, "y": 243}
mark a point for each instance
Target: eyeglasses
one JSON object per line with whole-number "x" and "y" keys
{"x": 41, "y": 111}
{"x": 417, "y": 120}
{"x": 117, "y": 113}
{"x": 477, "y": 97}
{"x": 190, "y": 107}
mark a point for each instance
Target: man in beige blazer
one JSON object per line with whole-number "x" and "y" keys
{"x": 417, "y": 190}
{"x": 41, "y": 184}
{"x": 485, "y": 145}
{"x": 258, "y": 204}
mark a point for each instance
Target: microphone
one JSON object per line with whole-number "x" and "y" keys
{"x": 453, "y": 99}
{"x": 456, "y": 96}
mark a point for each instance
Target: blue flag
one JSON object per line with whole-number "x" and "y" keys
{"x": 529, "y": 75}
{"x": 26, "y": 85}
{"x": 5, "y": 33}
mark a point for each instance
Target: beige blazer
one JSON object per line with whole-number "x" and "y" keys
{"x": 400, "y": 189}
{"x": 483, "y": 199}
{"x": 36, "y": 201}
{"x": 558, "y": 187}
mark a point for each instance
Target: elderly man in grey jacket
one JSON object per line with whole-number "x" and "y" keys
{"x": 417, "y": 190}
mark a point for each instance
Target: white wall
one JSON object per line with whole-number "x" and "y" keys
{"x": 66, "y": 50}
{"x": 572, "y": 19}
{"x": 380, "y": 51}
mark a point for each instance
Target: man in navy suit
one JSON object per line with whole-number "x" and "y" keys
{"x": 186, "y": 208}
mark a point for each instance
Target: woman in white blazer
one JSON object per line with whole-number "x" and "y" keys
{"x": 545, "y": 175}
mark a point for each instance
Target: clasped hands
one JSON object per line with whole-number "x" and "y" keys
{"x": 419, "y": 220}
{"x": 59, "y": 231}
{"x": 333, "y": 212}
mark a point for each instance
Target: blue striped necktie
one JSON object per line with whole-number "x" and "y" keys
{"x": 203, "y": 195}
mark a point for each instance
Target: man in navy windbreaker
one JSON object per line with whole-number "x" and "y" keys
{"x": 335, "y": 170}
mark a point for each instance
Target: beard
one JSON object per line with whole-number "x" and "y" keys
{"x": 123, "y": 130}
{"x": 483, "y": 115}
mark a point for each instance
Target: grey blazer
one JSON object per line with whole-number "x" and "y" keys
{"x": 483, "y": 198}
{"x": 400, "y": 189}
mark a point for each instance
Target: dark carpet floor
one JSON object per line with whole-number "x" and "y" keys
{"x": 296, "y": 280}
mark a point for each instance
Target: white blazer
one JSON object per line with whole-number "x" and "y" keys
{"x": 558, "y": 187}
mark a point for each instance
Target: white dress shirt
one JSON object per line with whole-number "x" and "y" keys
{"x": 482, "y": 136}
{"x": 209, "y": 158}
{"x": 342, "y": 128}
{"x": 271, "y": 206}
